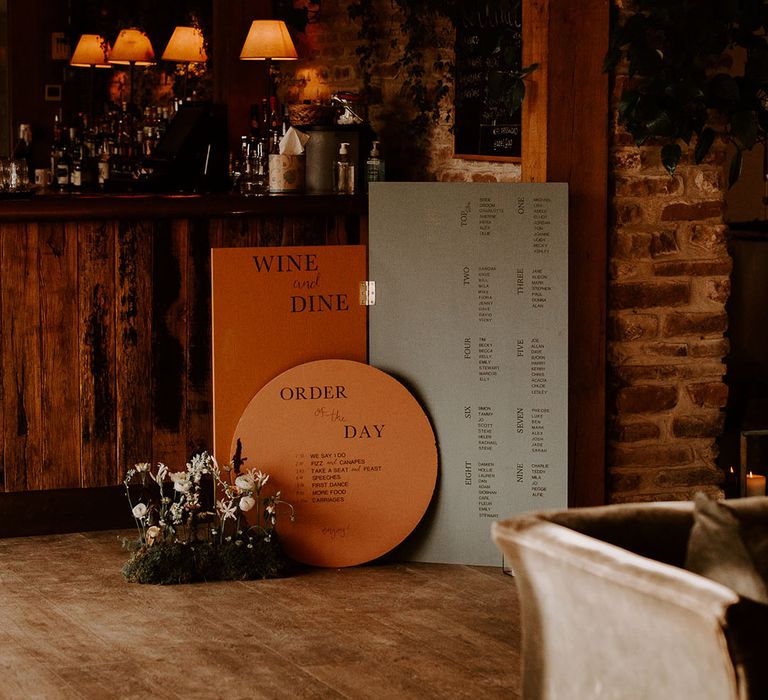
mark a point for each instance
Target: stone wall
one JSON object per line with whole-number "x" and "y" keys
{"x": 669, "y": 272}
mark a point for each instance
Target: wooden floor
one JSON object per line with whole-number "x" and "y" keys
{"x": 70, "y": 627}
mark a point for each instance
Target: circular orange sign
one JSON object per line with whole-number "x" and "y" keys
{"x": 351, "y": 449}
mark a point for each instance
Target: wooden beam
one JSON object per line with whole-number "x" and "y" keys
{"x": 534, "y": 117}
{"x": 565, "y": 139}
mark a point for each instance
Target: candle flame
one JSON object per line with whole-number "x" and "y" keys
{"x": 750, "y": 475}
{"x": 730, "y": 470}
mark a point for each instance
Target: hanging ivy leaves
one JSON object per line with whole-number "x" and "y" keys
{"x": 678, "y": 91}
{"x": 426, "y": 84}
{"x": 670, "y": 156}
{"x": 703, "y": 144}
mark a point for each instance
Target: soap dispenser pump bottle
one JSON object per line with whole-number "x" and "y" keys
{"x": 374, "y": 166}
{"x": 344, "y": 172}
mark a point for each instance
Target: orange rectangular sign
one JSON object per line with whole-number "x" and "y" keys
{"x": 273, "y": 309}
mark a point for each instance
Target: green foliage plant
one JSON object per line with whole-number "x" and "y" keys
{"x": 679, "y": 89}
{"x": 427, "y": 69}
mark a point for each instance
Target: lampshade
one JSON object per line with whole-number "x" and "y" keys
{"x": 186, "y": 45}
{"x": 91, "y": 50}
{"x": 268, "y": 38}
{"x": 132, "y": 47}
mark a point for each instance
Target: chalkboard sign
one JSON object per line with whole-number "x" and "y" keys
{"x": 488, "y": 40}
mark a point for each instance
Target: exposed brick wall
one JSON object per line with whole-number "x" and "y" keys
{"x": 668, "y": 284}
{"x": 669, "y": 272}
{"x": 329, "y": 64}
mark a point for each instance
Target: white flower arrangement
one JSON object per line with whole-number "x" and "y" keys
{"x": 200, "y": 504}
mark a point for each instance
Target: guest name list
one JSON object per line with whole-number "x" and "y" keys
{"x": 472, "y": 311}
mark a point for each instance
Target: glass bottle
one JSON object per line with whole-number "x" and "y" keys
{"x": 374, "y": 166}
{"x": 63, "y": 169}
{"x": 103, "y": 165}
{"x": 343, "y": 172}
{"x": 254, "y": 177}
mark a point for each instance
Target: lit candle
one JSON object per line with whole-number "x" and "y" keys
{"x": 755, "y": 484}
{"x": 732, "y": 487}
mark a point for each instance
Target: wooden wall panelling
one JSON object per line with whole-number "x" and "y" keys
{"x": 306, "y": 230}
{"x": 60, "y": 356}
{"x": 258, "y": 231}
{"x": 202, "y": 237}
{"x": 96, "y": 262}
{"x": 273, "y": 233}
{"x": 105, "y": 341}
{"x": 342, "y": 230}
{"x": 169, "y": 342}
{"x": 133, "y": 284}
{"x": 22, "y": 430}
{"x": 216, "y": 232}
{"x": 240, "y": 232}
{"x": 256, "y": 226}
{"x": 291, "y": 231}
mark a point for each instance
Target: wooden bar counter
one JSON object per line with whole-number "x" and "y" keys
{"x": 105, "y": 345}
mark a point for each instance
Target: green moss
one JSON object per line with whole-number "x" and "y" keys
{"x": 237, "y": 560}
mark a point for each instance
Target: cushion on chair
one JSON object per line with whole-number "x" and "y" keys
{"x": 718, "y": 548}
{"x": 608, "y": 612}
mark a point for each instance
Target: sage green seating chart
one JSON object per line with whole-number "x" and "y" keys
{"x": 471, "y": 313}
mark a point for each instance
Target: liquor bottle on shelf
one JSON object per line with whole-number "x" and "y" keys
{"x": 76, "y": 178}
{"x": 90, "y": 152}
{"x": 286, "y": 120}
{"x": 103, "y": 165}
{"x": 76, "y": 160}
{"x": 63, "y": 168}
{"x": 54, "y": 161}
{"x": 274, "y": 141}
{"x": 57, "y": 133}
{"x": 255, "y": 121}
{"x": 275, "y": 123}
{"x": 264, "y": 130}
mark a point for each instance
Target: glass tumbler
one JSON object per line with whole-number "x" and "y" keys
{"x": 18, "y": 175}
{"x": 255, "y": 177}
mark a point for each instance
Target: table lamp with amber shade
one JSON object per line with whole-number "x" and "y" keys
{"x": 132, "y": 48}
{"x": 268, "y": 40}
{"x": 92, "y": 51}
{"x": 186, "y": 45}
